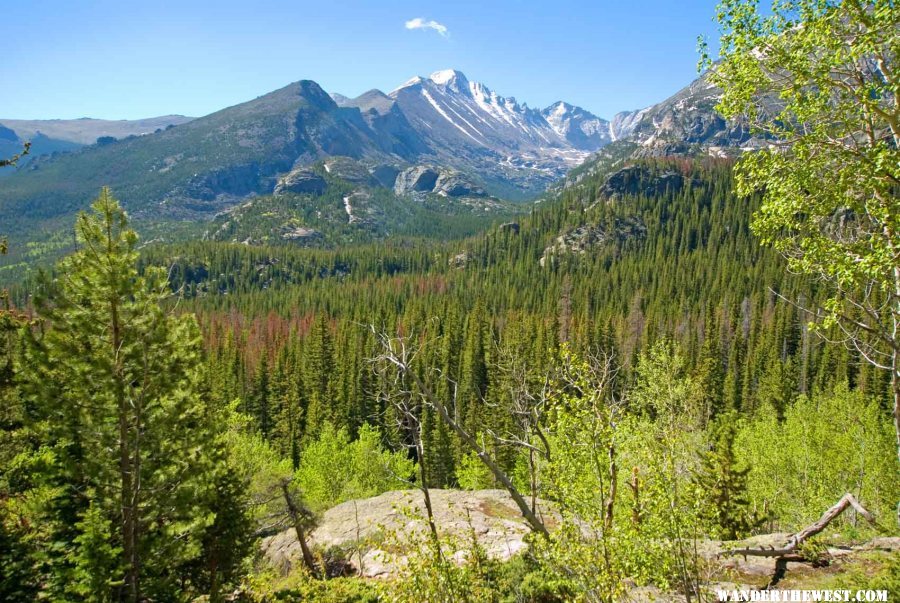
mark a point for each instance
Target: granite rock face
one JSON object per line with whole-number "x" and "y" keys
{"x": 368, "y": 528}
{"x": 417, "y": 179}
{"x": 453, "y": 184}
{"x": 430, "y": 179}
{"x": 377, "y": 534}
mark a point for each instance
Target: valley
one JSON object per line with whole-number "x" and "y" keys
{"x": 437, "y": 344}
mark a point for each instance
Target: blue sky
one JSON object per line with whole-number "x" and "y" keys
{"x": 119, "y": 59}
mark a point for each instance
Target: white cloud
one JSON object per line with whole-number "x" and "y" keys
{"x": 420, "y": 23}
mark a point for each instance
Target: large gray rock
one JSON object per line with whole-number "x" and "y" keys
{"x": 429, "y": 179}
{"x": 301, "y": 181}
{"x": 417, "y": 179}
{"x": 583, "y": 239}
{"x": 454, "y": 184}
{"x": 378, "y": 532}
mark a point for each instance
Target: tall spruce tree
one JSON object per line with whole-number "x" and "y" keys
{"x": 318, "y": 375}
{"x": 114, "y": 382}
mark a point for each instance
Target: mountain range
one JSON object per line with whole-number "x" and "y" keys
{"x": 48, "y": 136}
{"x": 443, "y": 136}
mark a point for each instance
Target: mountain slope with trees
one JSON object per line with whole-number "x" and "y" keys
{"x": 625, "y": 360}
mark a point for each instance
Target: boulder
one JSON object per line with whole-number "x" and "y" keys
{"x": 377, "y": 532}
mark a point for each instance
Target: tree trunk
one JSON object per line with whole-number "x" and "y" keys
{"x": 214, "y": 581}
{"x": 536, "y": 524}
{"x": 297, "y": 520}
{"x": 635, "y": 485}
{"x": 613, "y": 482}
{"x": 423, "y": 486}
{"x": 895, "y": 389}
{"x": 126, "y": 467}
{"x": 794, "y": 542}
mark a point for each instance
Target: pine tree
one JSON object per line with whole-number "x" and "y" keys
{"x": 318, "y": 375}
{"x": 115, "y": 382}
{"x": 722, "y": 484}
{"x": 260, "y": 397}
{"x": 19, "y": 578}
{"x": 285, "y": 396}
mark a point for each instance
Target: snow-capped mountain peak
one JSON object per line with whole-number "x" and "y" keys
{"x": 581, "y": 128}
{"x": 448, "y": 76}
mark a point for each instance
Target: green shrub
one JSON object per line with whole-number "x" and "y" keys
{"x": 828, "y": 444}
{"x": 333, "y": 469}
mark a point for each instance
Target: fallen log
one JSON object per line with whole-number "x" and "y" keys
{"x": 848, "y": 500}
{"x": 790, "y": 553}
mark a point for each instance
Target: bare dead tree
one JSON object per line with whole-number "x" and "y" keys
{"x": 407, "y": 406}
{"x": 791, "y": 552}
{"x": 794, "y": 542}
{"x": 413, "y": 395}
{"x": 530, "y": 397}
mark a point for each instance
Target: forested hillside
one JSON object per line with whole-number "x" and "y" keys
{"x": 372, "y": 381}
{"x": 649, "y": 273}
{"x": 689, "y": 274}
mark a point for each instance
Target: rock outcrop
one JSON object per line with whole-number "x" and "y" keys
{"x": 298, "y": 233}
{"x": 417, "y": 179}
{"x": 429, "y": 179}
{"x": 349, "y": 170}
{"x": 373, "y": 531}
{"x": 641, "y": 180}
{"x": 453, "y": 184}
{"x": 375, "y": 535}
{"x": 301, "y": 181}
{"x": 584, "y": 238}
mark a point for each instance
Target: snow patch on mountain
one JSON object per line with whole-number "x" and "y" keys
{"x": 413, "y": 81}
{"x": 443, "y": 114}
{"x": 447, "y": 76}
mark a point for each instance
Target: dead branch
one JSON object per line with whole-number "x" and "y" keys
{"x": 397, "y": 353}
{"x": 794, "y": 542}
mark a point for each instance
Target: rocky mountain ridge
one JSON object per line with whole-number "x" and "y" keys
{"x": 443, "y": 136}
{"x": 686, "y": 123}
{"x": 49, "y": 136}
